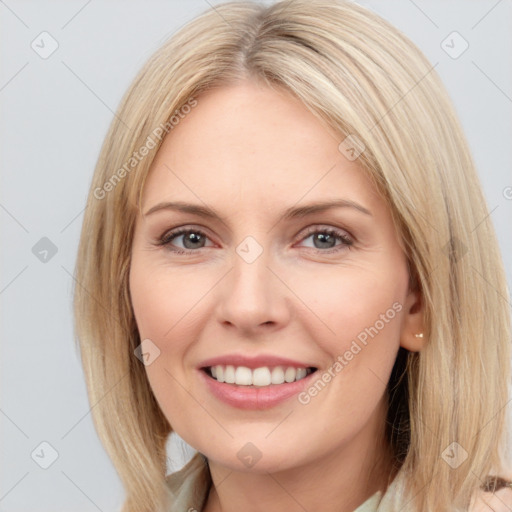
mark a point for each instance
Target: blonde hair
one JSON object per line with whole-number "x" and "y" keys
{"x": 362, "y": 77}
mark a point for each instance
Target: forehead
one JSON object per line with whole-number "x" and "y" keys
{"x": 249, "y": 146}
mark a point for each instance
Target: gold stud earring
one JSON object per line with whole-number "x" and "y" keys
{"x": 419, "y": 335}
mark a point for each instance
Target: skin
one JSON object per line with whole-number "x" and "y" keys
{"x": 500, "y": 501}
{"x": 251, "y": 152}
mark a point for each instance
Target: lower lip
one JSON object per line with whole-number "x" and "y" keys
{"x": 254, "y": 397}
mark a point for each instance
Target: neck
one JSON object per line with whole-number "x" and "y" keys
{"x": 338, "y": 482}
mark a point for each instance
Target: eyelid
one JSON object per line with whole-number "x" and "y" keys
{"x": 180, "y": 231}
{"x": 347, "y": 240}
{"x": 325, "y": 227}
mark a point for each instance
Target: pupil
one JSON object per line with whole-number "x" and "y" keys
{"x": 324, "y": 238}
{"x": 191, "y": 238}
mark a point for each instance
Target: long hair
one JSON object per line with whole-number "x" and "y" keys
{"x": 364, "y": 79}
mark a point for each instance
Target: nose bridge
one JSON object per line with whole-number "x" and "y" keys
{"x": 251, "y": 294}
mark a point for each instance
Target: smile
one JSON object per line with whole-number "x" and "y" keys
{"x": 254, "y": 383}
{"x": 259, "y": 377}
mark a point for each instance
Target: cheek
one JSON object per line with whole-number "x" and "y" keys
{"x": 163, "y": 301}
{"x": 363, "y": 308}
{"x": 163, "y": 307}
{"x": 169, "y": 308}
{"x": 356, "y": 303}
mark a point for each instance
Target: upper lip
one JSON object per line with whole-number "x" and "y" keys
{"x": 254, "y": 361}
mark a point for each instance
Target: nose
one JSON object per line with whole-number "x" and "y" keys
{"x": 252, "y": 297}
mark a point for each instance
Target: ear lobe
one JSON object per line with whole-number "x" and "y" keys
{"x": 413, "y": 336}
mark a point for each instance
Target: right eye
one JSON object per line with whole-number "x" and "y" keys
{"x": 192, "y": 239}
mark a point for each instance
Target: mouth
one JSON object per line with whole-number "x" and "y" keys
{"x": 256, "y": 382}
{"x": 260, "y": 377}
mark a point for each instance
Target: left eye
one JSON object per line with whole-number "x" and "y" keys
{"x": 326, "y": 238}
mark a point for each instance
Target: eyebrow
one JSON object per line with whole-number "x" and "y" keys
{"x": 290, "y": 213}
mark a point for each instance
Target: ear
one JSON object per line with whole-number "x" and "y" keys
{"x": 413, "y": 336}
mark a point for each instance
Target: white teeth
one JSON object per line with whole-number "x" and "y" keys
{"x": 277, "y": 375}
{"x": 290, "y": 374}
{"x": 261, "y": 377}
{"x": 243, "y": 376}
{"x": 301, "y": 373}
{"x": 229, "y": 374}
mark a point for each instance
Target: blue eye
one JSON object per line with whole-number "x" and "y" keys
{"x": 192, "y": 239}
{"x": 326, "y": 239}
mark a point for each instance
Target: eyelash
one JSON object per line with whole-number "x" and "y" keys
{"x": 347, "y": 241}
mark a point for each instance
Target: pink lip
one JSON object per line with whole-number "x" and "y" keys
{"x": 253, "y": 362}
{"x": 253, "y": 397}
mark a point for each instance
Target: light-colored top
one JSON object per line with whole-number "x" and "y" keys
{"x": 189, "y": 489}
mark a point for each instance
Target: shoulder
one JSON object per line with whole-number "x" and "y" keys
{"x": 496, "y": 496}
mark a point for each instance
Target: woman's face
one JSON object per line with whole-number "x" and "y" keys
{"x": 301, "y": 309}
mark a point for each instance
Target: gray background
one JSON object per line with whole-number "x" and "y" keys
{"x": 55, "y": 113}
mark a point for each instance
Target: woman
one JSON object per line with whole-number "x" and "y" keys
{"x": 338, "y": 338}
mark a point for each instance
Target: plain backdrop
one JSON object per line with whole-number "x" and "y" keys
{"x": 55, "y": 111}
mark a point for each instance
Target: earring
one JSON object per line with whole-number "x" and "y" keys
{"x": 420, "y": 335}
